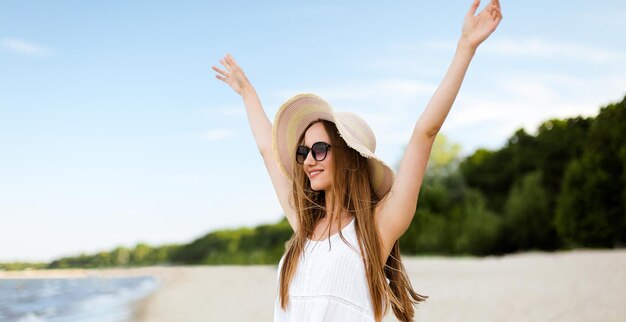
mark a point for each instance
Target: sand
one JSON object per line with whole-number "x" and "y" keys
{"x": 581, "y": 285}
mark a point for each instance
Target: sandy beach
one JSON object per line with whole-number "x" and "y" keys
{"x": 581, "y": 285}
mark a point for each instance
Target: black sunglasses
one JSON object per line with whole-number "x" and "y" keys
{"x": 318, "y": 149}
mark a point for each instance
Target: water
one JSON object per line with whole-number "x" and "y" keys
{"x": 72, "y": 299}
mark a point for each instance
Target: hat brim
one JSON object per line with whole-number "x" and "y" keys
{"x": 295, "y": 115}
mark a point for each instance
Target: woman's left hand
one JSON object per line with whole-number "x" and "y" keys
{"x": 477, "y": 28}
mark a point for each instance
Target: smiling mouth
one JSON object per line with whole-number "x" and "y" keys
{"x": 315, "y": 173}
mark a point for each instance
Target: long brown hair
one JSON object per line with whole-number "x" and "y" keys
{"x": 352, "y": 192}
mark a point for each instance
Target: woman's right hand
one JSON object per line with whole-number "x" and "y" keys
{"x": 233, "y": 76}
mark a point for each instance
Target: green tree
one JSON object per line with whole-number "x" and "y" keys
{"x": 528, "y": 223}
{"x": 140, "y": 254}
{"x": 427, "y": 234}
{"x": 491, "y": 172}
{"x": 121, "y": 256}
{"x": 559, "y": 141}
{"x": 590, "y": 207}
{"x": 474, "y": 227}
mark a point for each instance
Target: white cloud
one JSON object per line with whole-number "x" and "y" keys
{"x": 25, "y": 47}
{"x": 523, "y": 47}
{"x": 487, "y": 118}
{"x": 218, "y": 134}
{"x": 538, "y": 88}
{"x": 487, "y": 122}
{"x": 529, "y": 89}
{"x": 538, "y": 47}
{"x": 360, "y": 90}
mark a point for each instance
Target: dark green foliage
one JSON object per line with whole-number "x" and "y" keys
{"x": 559, "y": 141}
{"x": 264, "y": 244}
{"x": 590, "y": 207}
{"x": 450, "y": 217}
{"x": 566, "y": 185}
{"x": 491, "y": 173}
{"x": 476, "y": 226}
{"x": 494, "y": 172}
{"x": 464, "y": 226}
{"x": 427, "y": 234}
{"x": 141, "y": 255}
{"x": 527, "y": 222}
{"x": 575, "y": 205}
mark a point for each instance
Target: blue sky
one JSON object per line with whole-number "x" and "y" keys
{"x": 113, "y": 129}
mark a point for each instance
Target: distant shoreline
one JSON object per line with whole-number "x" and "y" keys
{"x": 166, "y": 271}
{"x": 82, "y": 272}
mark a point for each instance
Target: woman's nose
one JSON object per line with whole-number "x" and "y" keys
{"x": 309, "y": 159}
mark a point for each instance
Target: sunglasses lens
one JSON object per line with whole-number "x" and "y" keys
{"x": 319, "y": 151}
{"x": 301, "y": 154}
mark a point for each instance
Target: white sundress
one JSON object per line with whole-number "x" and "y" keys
{"x": 329, "y": 283}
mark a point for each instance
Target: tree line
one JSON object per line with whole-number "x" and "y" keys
{"x": 562, "y": 188}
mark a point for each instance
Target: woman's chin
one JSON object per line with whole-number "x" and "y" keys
{"x": 318, "y": 188}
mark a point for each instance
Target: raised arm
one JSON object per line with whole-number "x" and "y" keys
{"x": 395, "y": 213}
{"x": 261, "y": 129}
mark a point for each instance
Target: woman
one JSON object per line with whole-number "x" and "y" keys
{"x": 345, "y": 206}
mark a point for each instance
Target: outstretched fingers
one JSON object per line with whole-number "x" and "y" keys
{"x": 473, "y": 8}
{"x": 222, "y": 75}
{"x": 217, "y": 69}
{"x": 493, "y": 11}
{"x": 231, "y": 69}
{"x": 231, "y": 60}
{"x": 222, "y": 78}
{"x": 496, "y": 14}
{"x": 225, "y": 63}
{"x": 495, "y": 5}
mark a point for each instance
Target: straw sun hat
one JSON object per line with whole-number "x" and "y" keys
{"x": 299, "y": 111}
